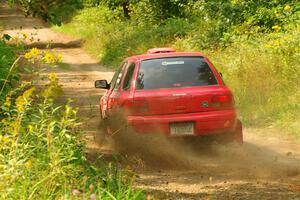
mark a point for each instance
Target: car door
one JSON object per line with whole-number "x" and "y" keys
{"x": 105, "y": 103}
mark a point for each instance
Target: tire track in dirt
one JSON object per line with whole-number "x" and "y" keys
{"x": 264, "y": 168}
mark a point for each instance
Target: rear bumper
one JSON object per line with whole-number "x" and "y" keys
{"x": 205, "y": 123}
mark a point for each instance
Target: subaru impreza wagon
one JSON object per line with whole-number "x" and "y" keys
{"x": 178, "y": 94}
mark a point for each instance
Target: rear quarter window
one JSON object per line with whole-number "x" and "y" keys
{"x": 116, "y": 80}
{"x": 174, "y": 72}
{"x": 128, "y": 77}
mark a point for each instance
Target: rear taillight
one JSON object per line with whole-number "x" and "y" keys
{"x": 223, "y": 101}
{"x": 136, "y": 107}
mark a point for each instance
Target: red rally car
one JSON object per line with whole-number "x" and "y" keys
{"x": 174, "y": 93}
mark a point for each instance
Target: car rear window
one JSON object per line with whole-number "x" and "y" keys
{"x": 174, "y": 72}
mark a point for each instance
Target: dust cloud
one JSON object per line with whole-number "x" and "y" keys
{"x": 249, "y": 161}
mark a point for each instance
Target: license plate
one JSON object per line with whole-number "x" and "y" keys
{"x": 182, "y": 128}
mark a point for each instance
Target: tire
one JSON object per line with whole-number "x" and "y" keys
{"x": 238, "y": 135}
{"x": 235, "y": 136}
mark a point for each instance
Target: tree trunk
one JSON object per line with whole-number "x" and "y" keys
{"x": 126, "y": 10}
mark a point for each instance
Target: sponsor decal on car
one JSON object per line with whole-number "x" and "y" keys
{"x": 172, "y": 63}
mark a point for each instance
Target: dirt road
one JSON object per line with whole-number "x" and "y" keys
{"x": 264, "y": 167}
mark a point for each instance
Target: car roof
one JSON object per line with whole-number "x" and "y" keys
{"x": 165, "y": 55}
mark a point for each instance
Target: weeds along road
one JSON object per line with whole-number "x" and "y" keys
{"x": 76, "y": 74}
{"x": 265, "y": 167}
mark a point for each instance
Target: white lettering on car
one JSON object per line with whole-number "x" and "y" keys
{"x": 172, "y": 63}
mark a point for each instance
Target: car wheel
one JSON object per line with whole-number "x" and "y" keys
{"x": 235, "y": 136}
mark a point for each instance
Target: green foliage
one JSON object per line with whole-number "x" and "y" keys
{"x": 247, "y": 16}
{"x": 53, "y": 11}
{"x": 141, "y": 37}
{"x": 114, "y": 4}
{"x": 254, "y": 43}
{"x": 158, "y": 9}
{"x": 42, "y": 146}
{"x": 202, "y": 24}
{"x": 42, "y": 152}
{"x": 7, "y": 73}
{"x": 161, "y": 10}
{"x": 122, "y": 38}
{"x": 264, "y": 74}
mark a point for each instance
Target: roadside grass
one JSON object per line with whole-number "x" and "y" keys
{"x": 7, "y": 72}
{"x": 43, "y": 152}
{"x": 63, "y": 66}
{"x": 262, "y": 68}
{"x": 265, "y": 81}
{"x": 42, "y": 145}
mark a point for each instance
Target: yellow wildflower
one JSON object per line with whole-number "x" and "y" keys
{"x": 30, "y": 128}
{"x": 23, "y": 100}
{"x": 5, "y": 139}
{"x": 34, "y": 52}
{"x": 28, "y": 164}
{"x": 49, "y": 58}
{"x": 7, "y": 102}
{"x": 28, "y": 55}
{"x": 54, "y": 88}
{"x": 59, "y": 57}
{"x": 20, "y": 103}
{"x": 298, "y": 28}
{"x": 28, "y": 93}
{"x": 287, "y": 8}
{"x": 276, "y": 28}
{"x": 267, "y": 46}
{"x": 278, "y": 42}
{"x": 52, "y": 77}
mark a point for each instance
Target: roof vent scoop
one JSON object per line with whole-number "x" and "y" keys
{"x": 161, "y": 50}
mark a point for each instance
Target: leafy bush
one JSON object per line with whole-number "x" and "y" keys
{"x": 122, "y": 38}
{"x": 7, "y": 75}
{"x": 264, "y": 75}
{"x": 205, "y": 25}
{"x": 42, "y": 147}
{"x": 42, "y": 152}
{"x": 52, "y": 11}
{"x": 254, "y": 43}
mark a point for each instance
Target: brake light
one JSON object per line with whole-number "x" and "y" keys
{"x": 222, "y": 101}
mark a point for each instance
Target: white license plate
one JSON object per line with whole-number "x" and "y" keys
{"x": 182, "y": 128}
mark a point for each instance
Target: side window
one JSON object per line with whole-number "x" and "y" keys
{"x": 116, "y": 80}
{"x": 128, "y": 77}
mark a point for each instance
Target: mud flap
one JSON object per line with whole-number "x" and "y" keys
{"x": 238, "y": 136}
